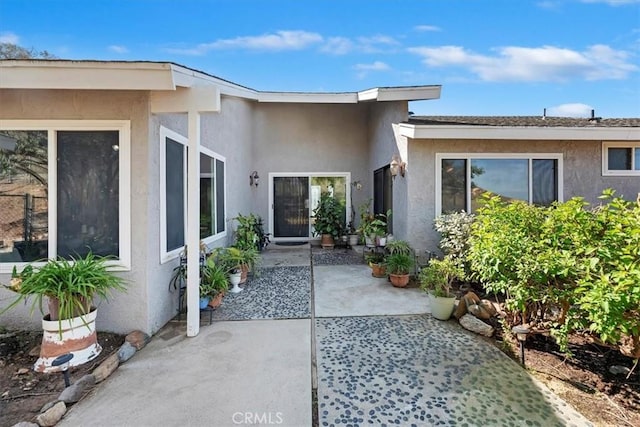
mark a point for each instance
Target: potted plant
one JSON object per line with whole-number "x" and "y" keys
{"x": 213, "y": 283}
{"x": 398, "y": 247}
{"x": 399, "y": 266}
{"x": 329, "y": 219}
{"x": 379, "y": 228}
{"x": 69, "y": 287}
{"x": 231, "y": 259}
{"x": 376, "y": 262}
{"x": 436, "y": 279}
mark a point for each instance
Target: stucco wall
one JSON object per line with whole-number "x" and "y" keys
{"x": 383, "y": 145}
{"x": 309, "y": 138}
{"x": 582, "y": 167}
{"x": 123, "y": 312}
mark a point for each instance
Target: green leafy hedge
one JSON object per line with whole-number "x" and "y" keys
{"x": 564, "y": 267}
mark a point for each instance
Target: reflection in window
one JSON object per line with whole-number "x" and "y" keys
{"x": 620, "y": 159}
{"x": 88, "y": 193}
{"x": 24, "y": 232}
{"x": 506, "y": 177}
{"x": 212, "y": 217}
{"x": 334, "y": 185}
{"x": 454, "y": 185}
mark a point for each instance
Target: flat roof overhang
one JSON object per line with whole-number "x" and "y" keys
{"x": 459, "y": 132}
{"x": 167, "y": 76}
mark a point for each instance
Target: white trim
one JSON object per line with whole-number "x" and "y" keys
{"x": 216, "y": 236}
{"x": 635, "y": 169}
{"x": 272, "y": 175}
{"x": 123, "y": 127}
{"x": 165, "y": 133}
{"x": 515, "y": 133}
{"x": 308, "y": 97}
{"x": 468, "y": 156}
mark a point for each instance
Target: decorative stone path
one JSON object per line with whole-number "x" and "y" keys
{"x": 276, "y": 293}
{"x": 337, "y": 256}
{"x": 415, "y": 370}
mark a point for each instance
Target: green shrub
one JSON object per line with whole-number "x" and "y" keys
{"x": 455, "y": 230}
{"x": 565, "y": 267}
{"x": 399, "y": 263}
{"x": 438, "y": 277}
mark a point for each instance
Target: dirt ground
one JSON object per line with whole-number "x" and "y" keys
{"x": 23, "y": 392}
{"x": 584, "y": 380}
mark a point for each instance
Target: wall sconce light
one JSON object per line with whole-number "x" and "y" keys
{"x": 254, "y": 179}
{"x": 397, "y": 166}
{"x": 521, "y": 333}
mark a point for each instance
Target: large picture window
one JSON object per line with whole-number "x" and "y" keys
{"x": 462, "y": 179}
{"x": 64, "y": 189}
{"x": 173, "y": 194}
{"x": 620, "y": 158}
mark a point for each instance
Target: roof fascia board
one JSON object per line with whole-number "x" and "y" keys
{"x": 515, "y": 133}
{"x": 413, "y": 93}
{"x": 86, "y": 75}
{"x": 186, "y": 77}
{"x": 199, "y": 99}
{"x": 307, "y": 97}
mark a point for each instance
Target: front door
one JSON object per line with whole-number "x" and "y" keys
{"x": 294, "y": 198}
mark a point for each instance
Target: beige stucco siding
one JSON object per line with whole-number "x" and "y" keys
{"x": 123, "y": 312}
{"x": 309, "y": 138}
{"x": 582, "y": 175}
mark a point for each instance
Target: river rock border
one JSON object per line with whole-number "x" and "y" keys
{"x": 52, "y": 412}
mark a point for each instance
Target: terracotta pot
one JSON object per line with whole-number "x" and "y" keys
{"x": 53, "y": 304}
{"x": 216, "y": 301}
{"x": 327, "y": 241}
{"x": 245, "y": 272}
{"x": 378, "y": 270}
{"x": 399, "y": 280}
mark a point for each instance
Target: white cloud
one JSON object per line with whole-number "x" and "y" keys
{"x": 338, "y": 46}
{"x": 570, "y": 110}
{"x": 524, "y": 64}
{"x": 364, "y": 69}
{"x": 9, "y": 37}
{"x": 278, "y": 41}
{"x": 425, "y": 28}
{"x": 118, "y": 49}
{"x": 612, "y": 2}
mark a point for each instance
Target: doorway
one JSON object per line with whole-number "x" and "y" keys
{"x": 294, "y": 196}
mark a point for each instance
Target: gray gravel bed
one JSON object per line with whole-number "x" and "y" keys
{"x": 276, "y": 293}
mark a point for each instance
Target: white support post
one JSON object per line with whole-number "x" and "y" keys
{"x": 193, "y": 225}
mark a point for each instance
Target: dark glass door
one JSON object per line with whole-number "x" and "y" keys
{"x": 383, "y": 192}
{"x": 291, "y": 206}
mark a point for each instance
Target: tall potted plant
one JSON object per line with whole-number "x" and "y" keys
{"x": 213, "y": 284}
{"x": 69, "y": 287}
{"x": 436, "y": 279}
{"x": 329, "y": 220}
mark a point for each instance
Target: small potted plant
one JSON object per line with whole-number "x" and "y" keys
{"x": 329, "y": 220}
{"x": 376, "y": 262}
{"x": 213, "y": 284}
{"x": 69, "y": 287}
{"x": 399, "y": 267}
{"x": 436, "y": 279}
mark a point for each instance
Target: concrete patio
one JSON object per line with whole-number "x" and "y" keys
{"x": 316, "y": 319}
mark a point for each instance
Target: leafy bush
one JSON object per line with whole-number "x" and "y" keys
{"x": 438, "y": 277}
{"x": 455, "y": 229}
{"x": 399, "y": 263}
{"x": 564, "y": 267}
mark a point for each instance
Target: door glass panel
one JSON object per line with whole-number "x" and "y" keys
{"x": 24, "y": 232}
{"x": 334, "y": 185}
{"x": 291, "y": 207}
{"x": 88, "y": 193}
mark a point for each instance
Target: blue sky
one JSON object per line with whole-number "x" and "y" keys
{"x": 492, "y": 57}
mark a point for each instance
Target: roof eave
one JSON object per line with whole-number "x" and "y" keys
{"x": 413, "y": 131}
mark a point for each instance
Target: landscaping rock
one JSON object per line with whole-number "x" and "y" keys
{"x": 48, "y": 406}
{"x": 461, "y": 309}
{"x": 126, "y": 352}
{"x": 619, "y": 370}
{"x": 472, "y": 323}
{"x": 138, "y": 339}
{"x": 52, "y": 415}
{"x": 471, "y": 298}
{"x": 488, "y": 307}
{"x": 106, "y": 368}
{"x": 25, "y": 424}
{"x": 479, "y": 311}
{"x": 75, "y": 392}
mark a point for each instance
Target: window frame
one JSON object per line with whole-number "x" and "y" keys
{"x": 166, "y": 256}
{"x": 620, "y": 144}
{"x": 470, "y": 156}
{"x": 123, "y": 127}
